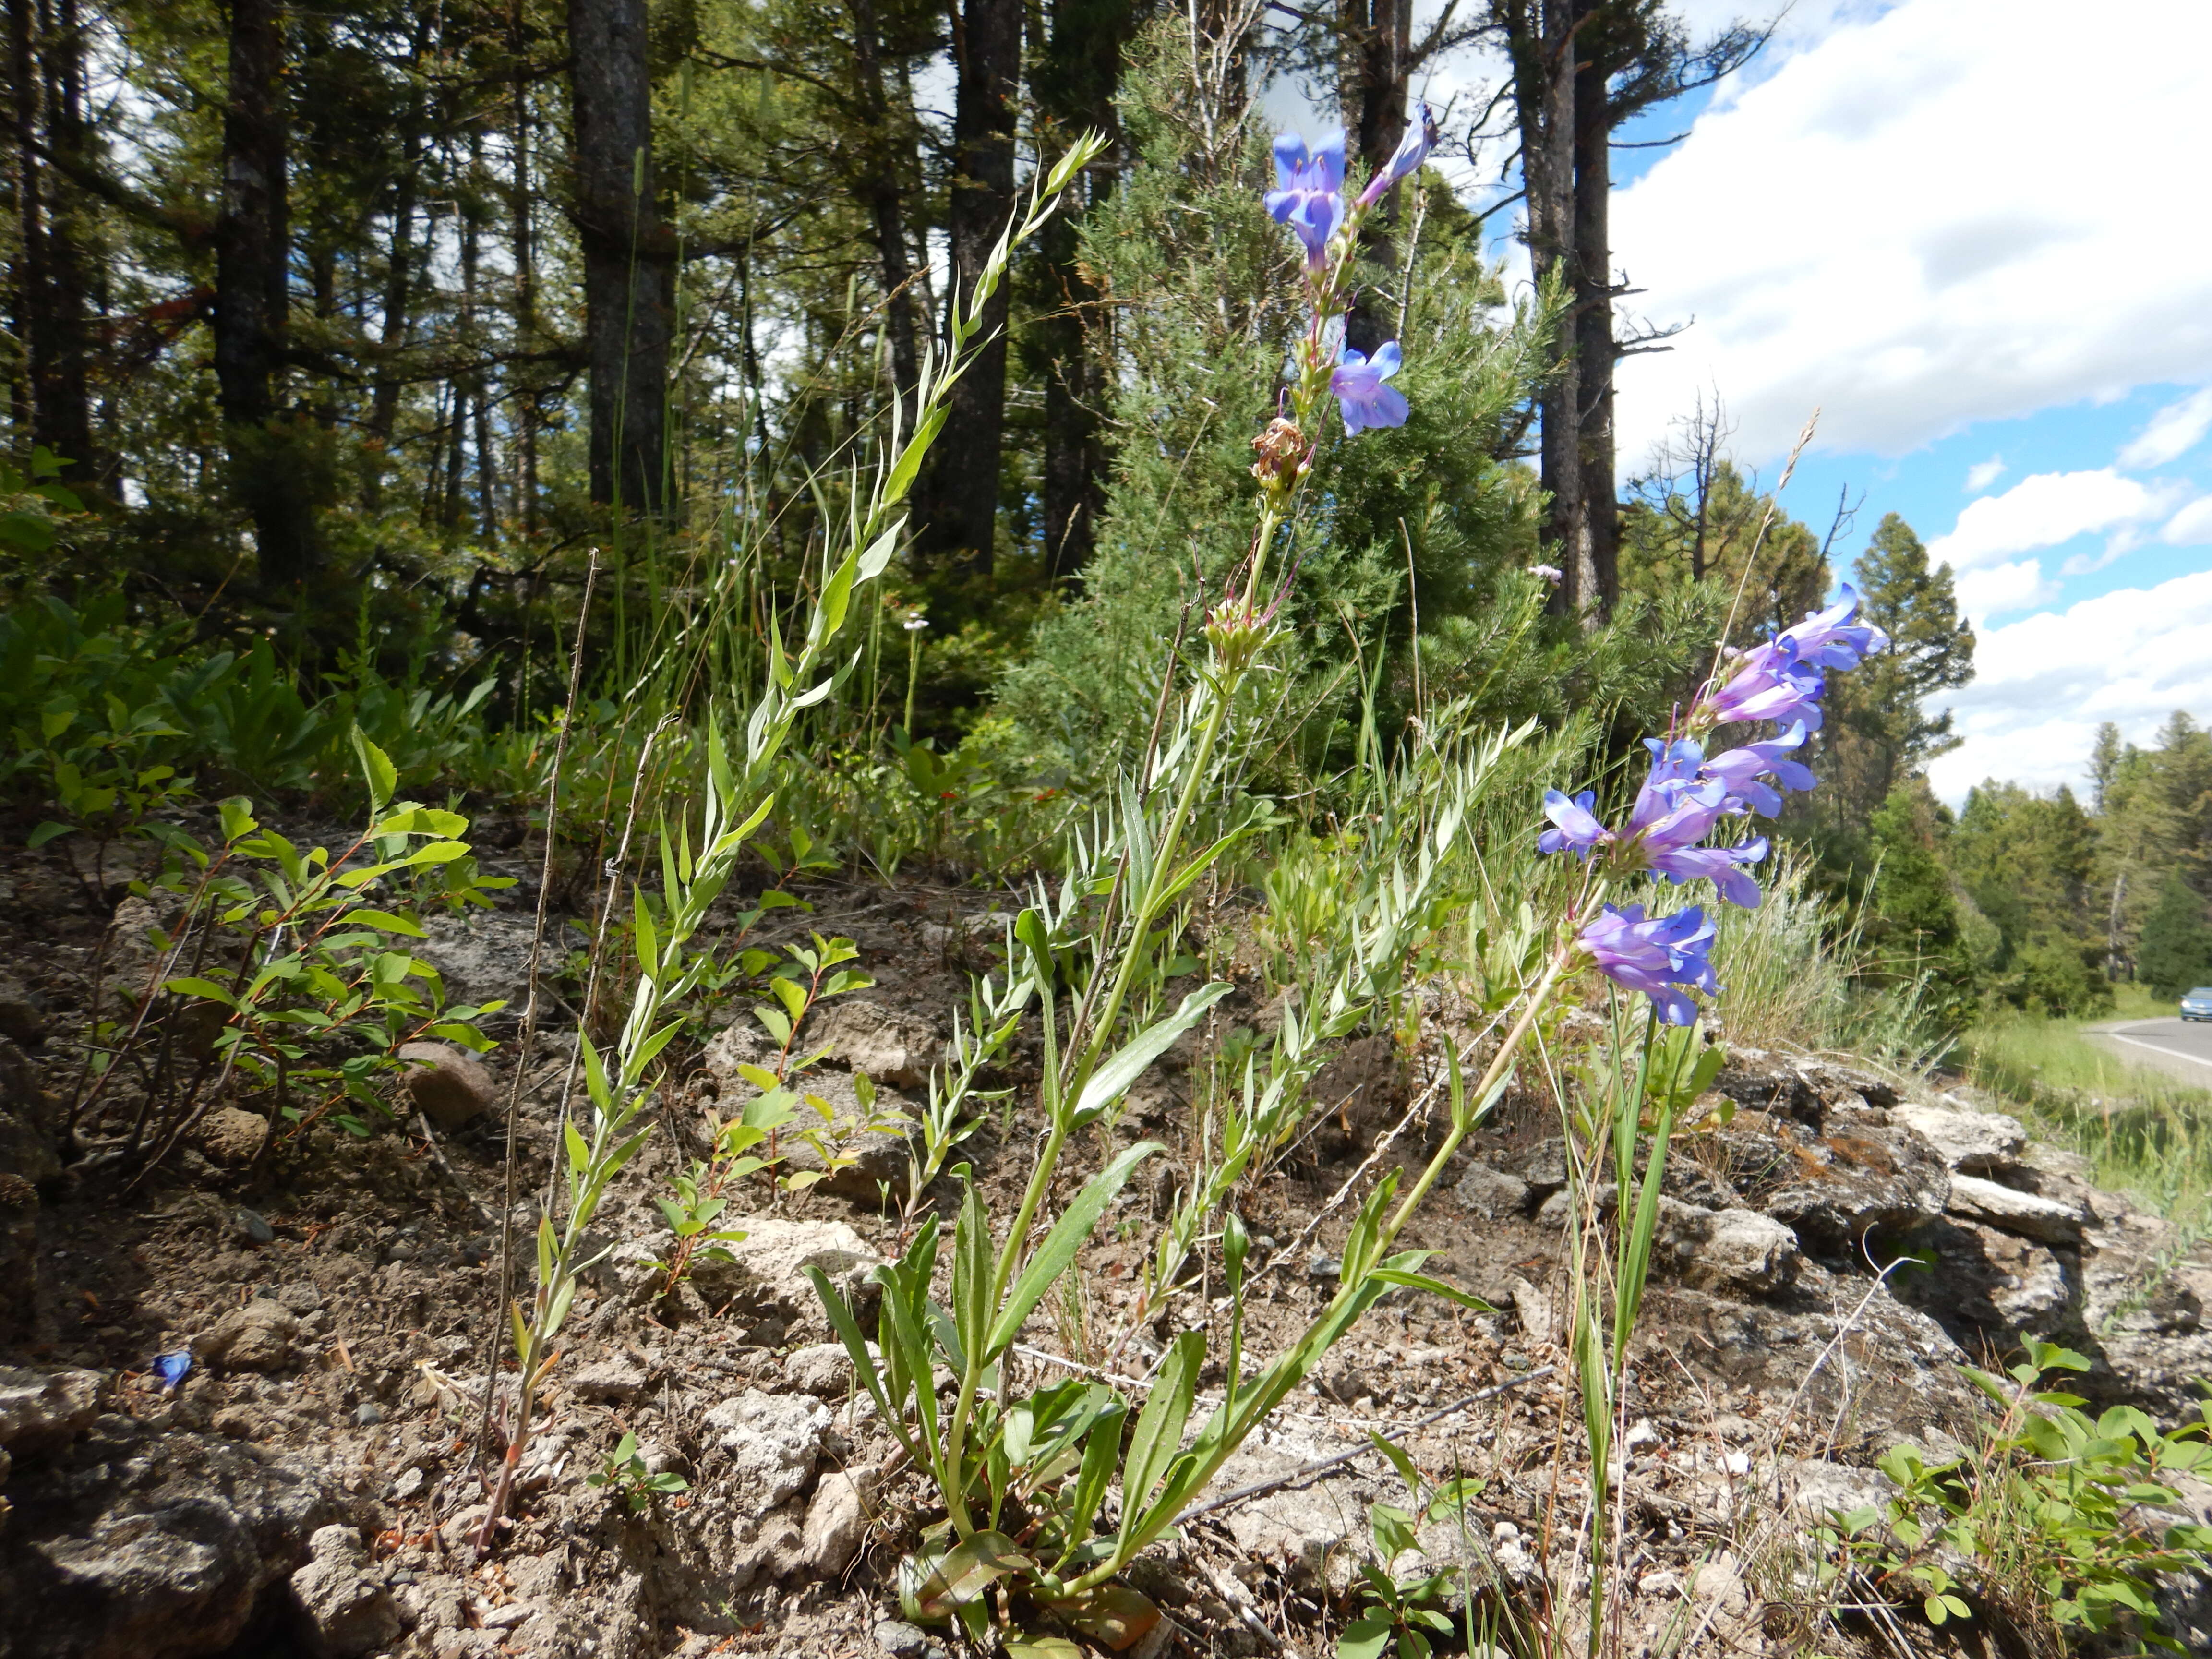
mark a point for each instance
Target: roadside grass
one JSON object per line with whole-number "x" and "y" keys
{"x": 2145, "y": 1132}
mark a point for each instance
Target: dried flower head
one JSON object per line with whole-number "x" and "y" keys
{"x": 1280, "y": 448}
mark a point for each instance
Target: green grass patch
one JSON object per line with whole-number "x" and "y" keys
{"x": 2145, "y": 1131}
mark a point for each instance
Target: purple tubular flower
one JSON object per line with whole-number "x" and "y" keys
{"x": 1674, "y": 766}
{"x": 1830, "y": 639}
{"x": 1578, "y": 829}
{"x": 1672, "y": 813}
{"x": 1740, "y": 771}
{"x": 1719, "y": 864}
{"x": 1656, "y": 956}
{"x": 1772, "y": 685}
{"x": 1308, "y": 193}
{"x": 1412, "y": 150}
{"x": 1357, "y": 383}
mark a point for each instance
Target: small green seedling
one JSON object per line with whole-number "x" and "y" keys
{"x": 1406, "y": 1614}
{"x": 623, "y": 1471}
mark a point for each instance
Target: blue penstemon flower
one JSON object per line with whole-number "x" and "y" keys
{"x": 1309, "y": 193}
{"x": 1686, "y": 796}
{"x": 1658, "y": 956}
{"x": 1309, "y": 197}
{"x": 1365, "y": 401}
{"x": 1405, "y": 161}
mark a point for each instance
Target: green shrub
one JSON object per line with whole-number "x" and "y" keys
{"x": 2056, "y": 1523}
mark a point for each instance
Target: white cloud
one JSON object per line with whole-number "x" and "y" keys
{"x": 2125, "y": 539}
{"x": 2192, "y": 526}
{"x": 1893, "y": 226}
{"x": 2000, "y": 588}
{"x": 2172, "y": 433}
{"x": 2043, "y": 685}
{"x": 2043, "y": 510}
{"x": 1982, "y": 474}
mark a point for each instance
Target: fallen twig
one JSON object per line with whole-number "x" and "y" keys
{"x": 1240, "y": 1601}
{"x": 1308, "y": 1471}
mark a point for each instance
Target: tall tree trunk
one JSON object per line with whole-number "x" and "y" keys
{"x": 1374, "y": 89}
{"x": 524, "y": 230}
{"x": 1543, "y": 68}
{"x": 30, "y": 284}
{"x": 963, "y": 506}
{"x": 392, "y": 329}
{"x": 252, "y": 294}
{"x": 453, "y": 497}
{"x": 69, "y": 346}
{"x": 487, "y": 470}
{"x": 881, "y": 184}
{"x": 1596, "y": 353}
{"x": 479, "y": 402}
{"x": 51, "y": 281}
{"x": 1079, "y": 74}
{"x": 1074, "y": 392}
{"x": 628, "y": 258}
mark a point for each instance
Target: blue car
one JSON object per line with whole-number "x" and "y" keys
{"x": 2197, "y": 1005}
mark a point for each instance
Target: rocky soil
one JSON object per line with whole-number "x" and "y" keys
{"x": 312, "y": 1483}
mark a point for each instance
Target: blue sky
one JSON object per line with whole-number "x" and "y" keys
{"x": 1972, "y": 235}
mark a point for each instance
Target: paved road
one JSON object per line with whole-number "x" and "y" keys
{"x": 2182, "y": 1049}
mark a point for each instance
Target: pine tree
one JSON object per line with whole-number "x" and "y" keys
{"x": 2027, "y": 861}
{"x": 2176, "y": 952}
{"x": 1880, "y": 729}
{"x": 2105, "y": 761}
{"x": 1915, "y": 930}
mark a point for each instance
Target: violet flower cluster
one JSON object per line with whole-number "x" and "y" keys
{"x": 1686, "y": 797}
{"x": 1309, "y": 197}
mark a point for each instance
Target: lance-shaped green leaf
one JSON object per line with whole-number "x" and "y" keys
{"x": 856, "y": 1347}
{"x": 384, "y": 922}
{"x": 1205, "y": 860}
{"x": 962, "y": 1574}
{"x": 1159, "y": 1433}
{"x": 1235, "y": 1419}
{"x": 1414, "y": 1281}
{"x": 383, "y": 777}
{"x": 189, "y": 987}
{"x": 877, "y": 558}
{"x": 649, "y": 1050}
{"x": 910, "y": 458}
{"x": 1114, "y": 1079}
{"x": 1052, "y": 1257}
{"x": 1102, "y": 1456}
{"x": 971, "y": 1273}
{"x": 648, "y": 938}
{"x": 595, "y": 1075}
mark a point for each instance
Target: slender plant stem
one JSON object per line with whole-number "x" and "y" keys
{"x": 1497, "y": 1069}
{"x": 912, "y": 672}
{"x": 510, "y": 1178}
{"x": 1040, "y": 1181}
{"x": 1140, "y": 923}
